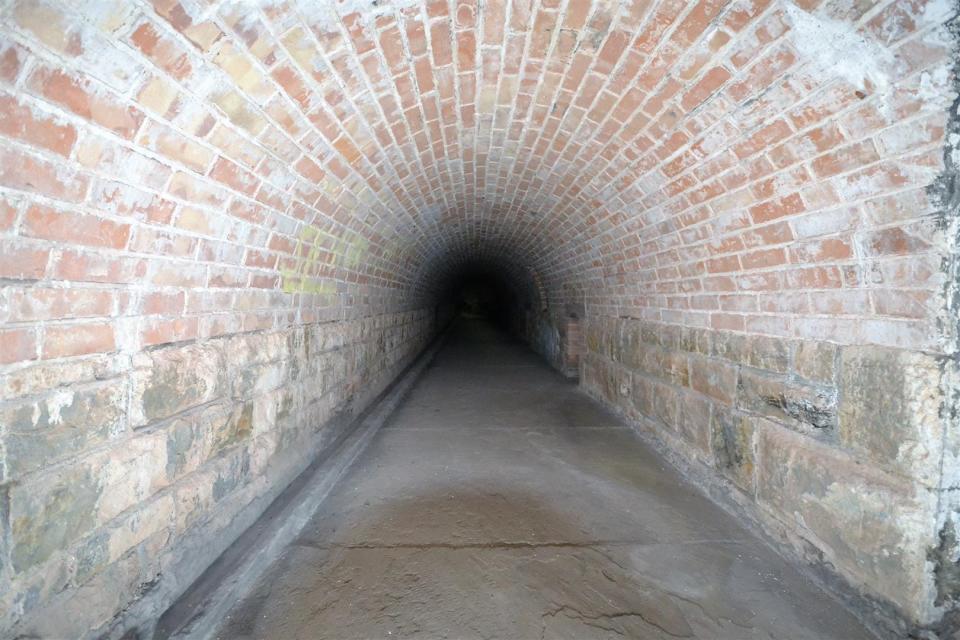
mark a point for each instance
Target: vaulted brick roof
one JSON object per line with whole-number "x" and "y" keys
{"x": 736, "y": 164}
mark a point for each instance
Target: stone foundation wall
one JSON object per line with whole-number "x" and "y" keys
{"x": 835, "y": 449}
{"x": 125, "y": 476}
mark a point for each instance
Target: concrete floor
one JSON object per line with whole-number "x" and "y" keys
{"x": 500, "y": 502}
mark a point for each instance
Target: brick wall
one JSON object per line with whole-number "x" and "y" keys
{"x": 176, "y": 175}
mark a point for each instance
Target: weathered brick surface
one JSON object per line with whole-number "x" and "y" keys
{"x": 182, "y": 182}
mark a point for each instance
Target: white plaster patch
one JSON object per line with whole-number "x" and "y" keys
{"x": 323, "y": 15}
{"x": 835, "y": 48}
{"x": 934, "y": 89}
{"x": 937, "y": 12}
{"x": 57, "y": 403}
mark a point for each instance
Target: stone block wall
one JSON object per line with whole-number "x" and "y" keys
{"x": 835, "y": 449}
{"x": 124, "y": 477}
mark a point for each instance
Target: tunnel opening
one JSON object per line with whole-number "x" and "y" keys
{"x": 228, "y": 228}
{"x": 481, "y": 293}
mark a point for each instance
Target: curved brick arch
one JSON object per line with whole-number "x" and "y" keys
{"x": 226, "y": 223}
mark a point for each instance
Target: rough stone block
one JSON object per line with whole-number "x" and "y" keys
{"x": 803, "y": 407}
{"x": 257, "y": 379}
{"x": 890, "y": 410}
{"x": 130, "y": 472}
{"x": 193, "y": 439}
{"x": 713, "y": 378}
{"x": 729, "y": 346}
{"x": 650, "y": 333}
{"x": 815, "y": 361}
{"x": 655, "y": 400}
{"x": 171, "y": 380}
{"x": 768, "y": 353}
{"x": 669, "y": 366}
{"x": 30, "y": 592}
{"x": 761, "y": 352}
{"x": 231, "y": 474}
{"x": 193, "y": 497}
{"x": 43, "y": 378}
{"x": 109, "y": 544}
{"x": 594, "y": 336}
{"x": 872, "y": 527}
{"x": 60, "y": 424}
{"x": 733, "y": 446}
{"x": 51, "y": 512}
{"x": 631, "y": 349}
{"x": 693, "y": 423}
{"x": 696, "y": 340}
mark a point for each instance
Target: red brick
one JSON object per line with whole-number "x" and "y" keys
{"x": 17, "y": 345}
{"x": 894, "y": 241}
{"x": 95, "y": 267}
{"x": 41, "y": 303}
{"x": 28, "y": 172}
{"x": 696, "y": 22}
{"x": 848, "y": 158}
{"x": 62, "y": 341}
{"x": 124, "y": 200}
{"x": 424, "y": 71}
{"x": 711, "y": 81}
{"x": 19, "y": 261}
{"x": 11, "y": 61}
{"x": 440, "y": 43}
{"x": 74, "y": 228}
{"x": 824, "y": 250}
{"x": 466, "y": 51}
{"x": 162, "y": 330}
{"x": 8, "y": 214}
{"x": 24, "y": 123}
{"x": 762, "y": 139}
{"x": 78, "y": 96}
{"x": 613, "y": 48}
{"x": 777, "y": 208}
{"x": 763, "y": 259}
{"x": 813, "y": 278}
{"x": 160, "y": 303}
{"x": 235, "y": 177}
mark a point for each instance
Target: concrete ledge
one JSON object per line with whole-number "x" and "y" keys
{"x": 201, "y": 608}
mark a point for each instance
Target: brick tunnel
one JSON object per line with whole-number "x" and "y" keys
{"x": 479, "y": 318}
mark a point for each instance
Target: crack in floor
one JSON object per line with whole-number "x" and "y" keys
{"x": 587, "y": 544}
{"x": 595, "y": 620}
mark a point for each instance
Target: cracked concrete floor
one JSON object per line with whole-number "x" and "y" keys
{"x": 501, "y": 502}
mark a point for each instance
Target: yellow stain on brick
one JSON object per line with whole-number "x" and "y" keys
{"x": 315, "y": 248}
{"x": 300, "y": 48}
{"x": 239, "y": 112}
{"x": 204, "y": 35}
{"x": 196, "y": 220}
{"x": 243, "y": 72}
{"x": 488, "y": 98}
{"x": 291, "y": 281}
{"x": 158, "y": 95}
{"x": 176, "y": 146}
{"x": 90, "y": 150}
{"x": 47, "y": 24}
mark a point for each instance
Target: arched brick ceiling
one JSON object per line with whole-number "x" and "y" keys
{"x": 651, "y": 156}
